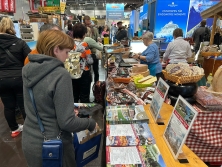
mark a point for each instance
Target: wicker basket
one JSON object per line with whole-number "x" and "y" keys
{"x": 206, "y": 54}
{"x": 181, "y": 80}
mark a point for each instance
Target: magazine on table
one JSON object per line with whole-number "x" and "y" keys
{"x": 135, "y": 156}
{"x": 123, "y": 114}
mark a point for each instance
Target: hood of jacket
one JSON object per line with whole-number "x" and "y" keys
{"x": 39, "y": 66}
{"x": 7, "y": 40}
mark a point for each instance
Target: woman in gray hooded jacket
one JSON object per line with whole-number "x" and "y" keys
{"x": 52, "y": 89}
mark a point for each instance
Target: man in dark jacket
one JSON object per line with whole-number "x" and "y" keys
{"x": 198, "y": 35}
{"x": 121, "y": 33}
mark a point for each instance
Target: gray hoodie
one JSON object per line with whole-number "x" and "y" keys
{"x": 52, "y": 89}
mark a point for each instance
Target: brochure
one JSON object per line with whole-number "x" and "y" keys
{"x": 123, "y": 114}
{"x": 179, "y": 125}
{"x": 135, "y": 156}
{"x": 158, "y": 98}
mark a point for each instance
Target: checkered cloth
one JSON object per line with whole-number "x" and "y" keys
{"x": 205, "y": 137}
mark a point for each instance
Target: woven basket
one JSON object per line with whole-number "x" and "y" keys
{"x": 206, "y": 54}
{"x": 182, "y": 80}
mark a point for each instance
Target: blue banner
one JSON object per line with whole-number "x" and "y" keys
{"x": 115, "y": 11}
{"x": 169, "y": 16}
{"x": 132, "y": 21}
{"x": 196, "y": 7}
{"x": 143, "y": 16}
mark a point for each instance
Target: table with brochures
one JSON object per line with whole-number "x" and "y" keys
{"x": 158, "y": 130}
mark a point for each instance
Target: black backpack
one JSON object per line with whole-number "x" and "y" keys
{"x": 205, "y": 36}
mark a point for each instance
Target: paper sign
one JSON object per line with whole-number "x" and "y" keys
{"x": 179, "y": 126}
{"x": 158, "y": 98}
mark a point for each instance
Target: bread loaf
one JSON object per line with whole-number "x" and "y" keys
{"x": 217, "y": 81}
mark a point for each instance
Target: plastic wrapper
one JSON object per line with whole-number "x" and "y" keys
{"x": 208, "y": 100}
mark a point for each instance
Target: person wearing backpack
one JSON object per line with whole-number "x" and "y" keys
{"x": 82, "y": 85}
{"x": 93, "y": 45}
{"x": 200, "y": 34}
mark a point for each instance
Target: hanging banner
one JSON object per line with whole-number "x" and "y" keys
{"x": 5, "y": 6}
{"x": 169, "y": 16}
{"x": 11, "y": 6}
{"x": 196, "y": 7}
{"x": 62, "y": 6}
{"x": 115, "y": 11}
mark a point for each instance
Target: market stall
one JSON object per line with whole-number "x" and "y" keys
{"x": 129, "y": 86}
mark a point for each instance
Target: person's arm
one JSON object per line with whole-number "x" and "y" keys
{"x": 189, "y": 53}
{"x": 193, "y": 36}
{"x": 96, "y": 34}
{"x": 64, "y": 107}
{"x": 167, "y": 52}
{"x": 93, "y": 44}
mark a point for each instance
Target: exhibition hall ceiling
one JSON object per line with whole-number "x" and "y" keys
{"x": 101, "y": 4}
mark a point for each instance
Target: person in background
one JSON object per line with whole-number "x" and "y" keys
{"x": 178, "y": 50}
{"x": 113, "y": 32}
{"x": 121, "y": 33}
{"x": 81, "y": 86}
{"x": 43, "y": 28}
{"x": 105, "y": 32}
{"x": 67, "y": 23}
{"x": 93, "y": 45}
{"x": 69, "y": 32}
{"x": 218, "y": 36}
{"x": 11, "y": 63}
{"x": 94, "y": 30}
{"x": 198, "y": 35}
{"x": 150, "y": 56}
{"x": 52, "y": 91}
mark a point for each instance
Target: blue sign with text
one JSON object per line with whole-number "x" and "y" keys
{"x": 115, "y": 11}
{"x": 169, "y": 16}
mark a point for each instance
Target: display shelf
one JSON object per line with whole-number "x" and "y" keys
{"x": 26, "y": 32}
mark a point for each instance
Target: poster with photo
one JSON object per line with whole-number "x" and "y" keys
{"x": 179, "y": 126}
{"x": 158, "y": 98}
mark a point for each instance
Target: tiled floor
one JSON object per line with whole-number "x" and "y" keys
{"x": 11, "y": 154}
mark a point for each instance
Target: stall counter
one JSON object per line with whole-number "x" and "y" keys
{"x": 158, "y": 130}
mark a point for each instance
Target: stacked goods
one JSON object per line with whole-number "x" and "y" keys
{"x": 123, "y": 114}
{"x": 139, "y": 69}
{"x": 183, "y": 73}
{"x": 217, "y": 81}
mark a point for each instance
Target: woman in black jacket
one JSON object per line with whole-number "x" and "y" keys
{"x": 13, "y": 52}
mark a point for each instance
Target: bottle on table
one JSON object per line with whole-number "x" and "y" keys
{"x": 209, "y": 80}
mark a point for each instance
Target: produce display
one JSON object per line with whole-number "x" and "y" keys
{"x": 211, "y": 50}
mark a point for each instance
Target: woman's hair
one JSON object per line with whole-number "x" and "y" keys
{"x": 79, "y": 30}
{"x": 70, "y": 27}
{"x": 48, "y": 39}
{"x": 178, "y": 32}
{"x": 148, "y": 35}
{"x": 7, "y": 26}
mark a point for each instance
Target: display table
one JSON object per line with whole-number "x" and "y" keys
{"x": 158, "y": 130}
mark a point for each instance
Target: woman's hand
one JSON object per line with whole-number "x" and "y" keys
{"x": 136, "y": 56}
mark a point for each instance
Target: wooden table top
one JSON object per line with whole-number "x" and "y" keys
{"x": 158, "y": 130}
